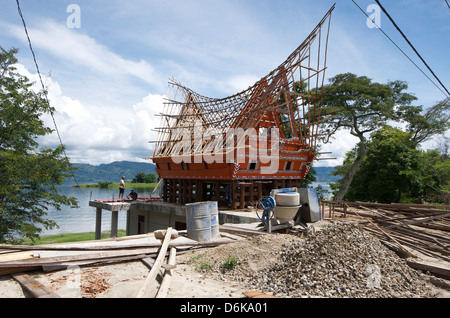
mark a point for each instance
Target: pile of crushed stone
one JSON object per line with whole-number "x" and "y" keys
{"x": 340, "y": 260}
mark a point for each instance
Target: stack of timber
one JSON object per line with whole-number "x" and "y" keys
{"x": 418, "y": 232}
{"x": 21, "y": 258}
{"x": 156, "y": 250}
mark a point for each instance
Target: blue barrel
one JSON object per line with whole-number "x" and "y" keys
{"x": 202, "y": 221}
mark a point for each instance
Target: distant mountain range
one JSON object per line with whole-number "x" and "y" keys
{"x": 323, "y": 174}
{"x": 112, "y": 172}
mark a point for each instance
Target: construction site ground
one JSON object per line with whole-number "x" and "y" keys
{"x": 124, "y": 279}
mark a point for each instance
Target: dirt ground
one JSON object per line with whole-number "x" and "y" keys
{"x": 124, "y": 280}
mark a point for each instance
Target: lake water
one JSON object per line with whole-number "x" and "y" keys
{"x": 82, "y": 218}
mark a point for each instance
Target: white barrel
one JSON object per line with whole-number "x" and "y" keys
{"x": 287, "y": 199}
{"x": 214, "y": 219}
{"x": 202, "y": 221}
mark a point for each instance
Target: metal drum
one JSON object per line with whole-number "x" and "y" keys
{"x": 202, "y": 221}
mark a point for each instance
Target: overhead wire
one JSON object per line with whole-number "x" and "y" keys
{"x": 414, "y": 49}
{"x": 395, "y": 44}
{"x": 45, "y": 91}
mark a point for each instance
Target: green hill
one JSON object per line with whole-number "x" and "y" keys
{"x": 111, "y": 172}
{"x": 323, "y": 174}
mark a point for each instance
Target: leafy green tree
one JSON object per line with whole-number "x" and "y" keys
{"x": 422, "y": 125}
{"x": 141, "y": 177}
{"x": 29, "y": 174}
{"x": 362, "y": 106}
{"x": 434, "y": 177}
{"x": 394, "y": 171}
{"x": 389, "y": 171}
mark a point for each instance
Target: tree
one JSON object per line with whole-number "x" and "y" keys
{"x": 424, "y": 125}
{"x": 394, "y": 171}
{"x": 29, "y": 174}
{"x": 434, "y": 176}
{"x": 361, "y": 106}
{"x": 389, "y": 171}
{"x": 141, "y": 177}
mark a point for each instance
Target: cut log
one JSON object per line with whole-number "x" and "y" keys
{"x": 34, "y": 287}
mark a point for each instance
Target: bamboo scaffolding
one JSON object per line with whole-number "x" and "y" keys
{"x": 189, "y": 110}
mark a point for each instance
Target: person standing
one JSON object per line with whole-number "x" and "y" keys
{"x": 121, "y": 187}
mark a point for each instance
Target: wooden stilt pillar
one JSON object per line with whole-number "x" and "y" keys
{"x": 114, "y": 223}
{"x": 98, "y": 223}
{"x": 242, "y": 198}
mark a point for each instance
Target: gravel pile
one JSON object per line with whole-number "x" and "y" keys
{"x": 341, "y": 260}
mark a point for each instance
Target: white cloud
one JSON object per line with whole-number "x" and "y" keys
{"x": 81, "y": 50}
{"x": 95, "y": 135}
{"x": 341, "y": 142}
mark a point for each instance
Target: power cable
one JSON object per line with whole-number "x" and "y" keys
{"x": 379, "y": 28}
{"x": 414, "y": 49}
{"x": 45, "y": 92}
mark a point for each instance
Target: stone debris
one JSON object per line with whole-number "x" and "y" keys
{"x": 340, "y": 260}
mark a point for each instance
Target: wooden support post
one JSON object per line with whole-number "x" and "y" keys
{"x": 242, "y": 199}
{"x": 260, "y": 195}
{"x": 164, "y": 190}
{"x": 114, "y": 223}
{"x": 98, "y": 223}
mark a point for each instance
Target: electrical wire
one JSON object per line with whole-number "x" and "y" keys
{"x": 379, "y": 28}
{"x": 44, "y": 91}
{"x": 414, "y": 49}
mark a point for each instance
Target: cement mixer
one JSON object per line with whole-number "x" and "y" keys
{"x": 289, "y": 205}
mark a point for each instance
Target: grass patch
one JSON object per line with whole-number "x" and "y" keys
{"x": 230, "y": 263}
{"x": 114, "y": 185}
{"x": 70, "y": 237}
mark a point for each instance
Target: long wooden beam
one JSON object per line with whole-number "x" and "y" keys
{"x": 157, "y": 265}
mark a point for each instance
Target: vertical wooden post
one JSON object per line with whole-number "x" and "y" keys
{"x": 114, "y": 223}
{"x": 259, "y": 184}
{"x": 98, "y": 223}
{"x": 242, "y": 201}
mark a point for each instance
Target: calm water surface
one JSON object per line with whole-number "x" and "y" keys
{"x": 82, "y": 218}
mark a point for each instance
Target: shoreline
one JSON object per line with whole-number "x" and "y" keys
{"x": 113, "y": 185}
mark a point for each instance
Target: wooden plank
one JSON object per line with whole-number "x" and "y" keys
{"x": 83, "y": 257}
{"x": 149, "y": 262}
{"x": 165, "y": 284}
{"x": 155, "y": 269}
{"x": 105, "y": 248}
{"x": 257, "y": 294}
{"x": 33, "y": 286}
{"x": 438, "y": 270}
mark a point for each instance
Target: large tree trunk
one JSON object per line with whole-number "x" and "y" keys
{"x": 348, "y": 178}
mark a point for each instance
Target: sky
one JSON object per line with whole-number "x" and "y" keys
{"x": 106, "y": 64}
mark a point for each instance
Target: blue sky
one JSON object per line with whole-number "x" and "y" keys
{"x": 107, "y": 78}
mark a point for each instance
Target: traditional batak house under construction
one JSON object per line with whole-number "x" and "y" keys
{"x": 235, "y": 150}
